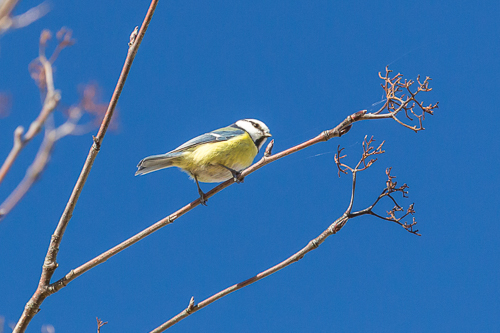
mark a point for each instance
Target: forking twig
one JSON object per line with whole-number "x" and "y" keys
{"x": 7, "y": 21}
{"x": 337, "y": 131}
{"x": 335, "y": 227}
{"x": 100, "y": 324}
{"x": 44, "y": 288}
{"x": 41, "y": 72}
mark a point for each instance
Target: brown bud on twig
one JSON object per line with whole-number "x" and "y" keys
{"x": 133, "y": 36}
{"x": 100, "y": 324}
{"x": 269, "y": 148}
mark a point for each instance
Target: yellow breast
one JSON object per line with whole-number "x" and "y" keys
{"x": 204, "y": 161}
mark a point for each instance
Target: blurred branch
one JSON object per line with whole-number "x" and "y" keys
{"x": 5, "y": 105}
{"x": 364, "y": 163}
{"x": 7, "y": 21}
{"x": 32, "y": 174}
{"x": 41, "y": 71}
{"x": 44, "y": 288}
{"x": 52, "y": 135}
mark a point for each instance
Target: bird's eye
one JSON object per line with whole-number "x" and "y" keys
{"x": 255, "y": 125}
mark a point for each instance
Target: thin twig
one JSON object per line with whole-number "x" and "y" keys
{"x": 42, "y": 73}
{"x": 312, "y": 245}
{"x": 339, "y": 130}
{"x": 44, "y": 289}
{"x": 100, "y": 324}
{"x": 7, "y": 21}
{"x": 32, "y": 173}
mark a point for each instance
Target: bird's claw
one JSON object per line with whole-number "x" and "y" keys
{"x": 237, "y": 177}
{"x": 236, "y": 174}
{"x": 203, "y": 201}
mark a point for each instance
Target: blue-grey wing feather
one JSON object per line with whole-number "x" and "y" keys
{"x": 214, "y": 136}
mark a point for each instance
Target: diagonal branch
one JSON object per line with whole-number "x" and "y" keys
{"x": 337, "y": 131}
{"x": 43, "y": 290}
{"x": 32, "y": 173}
{"x": 46, "y": 288}
{"x": 335, "y": 227}
{"x": 312, "y": 245}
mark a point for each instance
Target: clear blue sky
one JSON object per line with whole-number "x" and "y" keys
{"x": 300, "y": 67}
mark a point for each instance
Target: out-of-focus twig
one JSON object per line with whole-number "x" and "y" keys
{"x": 70, "y": 127}
{"x": 7, "y": 21}
{"x": 365, "y": 162}
{"x": 44, "y": 288}
{"x": 41, "y": 71}
{"x": 5, "y": 104}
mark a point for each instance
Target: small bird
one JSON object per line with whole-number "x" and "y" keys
{"x": 213, "y": 157}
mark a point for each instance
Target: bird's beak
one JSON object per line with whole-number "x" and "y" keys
{"x": 267, "y": 135}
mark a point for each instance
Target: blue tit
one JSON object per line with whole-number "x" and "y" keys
{"x": 213, "y": 157}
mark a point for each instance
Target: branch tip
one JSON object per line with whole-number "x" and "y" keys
{"x": 191, "y": 305}
{"x": 269, "y": 148}
{"x": 400, "y": 97}
{"x": 100, "y": 324}
{"x": 18, "y": 135}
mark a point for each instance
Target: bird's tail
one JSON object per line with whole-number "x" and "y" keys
{"x": 153, "y": 163}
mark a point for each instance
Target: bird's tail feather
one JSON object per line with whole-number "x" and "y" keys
{"x": 153, "y": 163}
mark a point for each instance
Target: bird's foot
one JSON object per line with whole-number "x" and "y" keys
{"x": 237, "y": 177}
{"x": 203, "y": 200}
{"x": 236, "y": 174}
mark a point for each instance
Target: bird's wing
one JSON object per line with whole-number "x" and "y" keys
{"x": 222, "y": 134}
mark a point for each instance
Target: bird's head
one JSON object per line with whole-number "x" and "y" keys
{"x": 258, "y": 131}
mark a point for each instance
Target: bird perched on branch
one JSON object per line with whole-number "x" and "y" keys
{"x": 213, "y": 157}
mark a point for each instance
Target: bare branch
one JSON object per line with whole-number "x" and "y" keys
{"x": 44, "y": 289}
{"x": 32, "y": 174}
{"x": 400, "y": 97}
{"x": 266, "y": 159}
{"x": 41, "y": 72}
{"x": 7, "y": 21}
{"x": 340, "y": 166}
{"x": 52, "y": 135}
{"x": 100, "y": 324}
{"x": 269, "y": 148}
{"x": 312, "y": 245}
{"x": 391, "y": 187}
